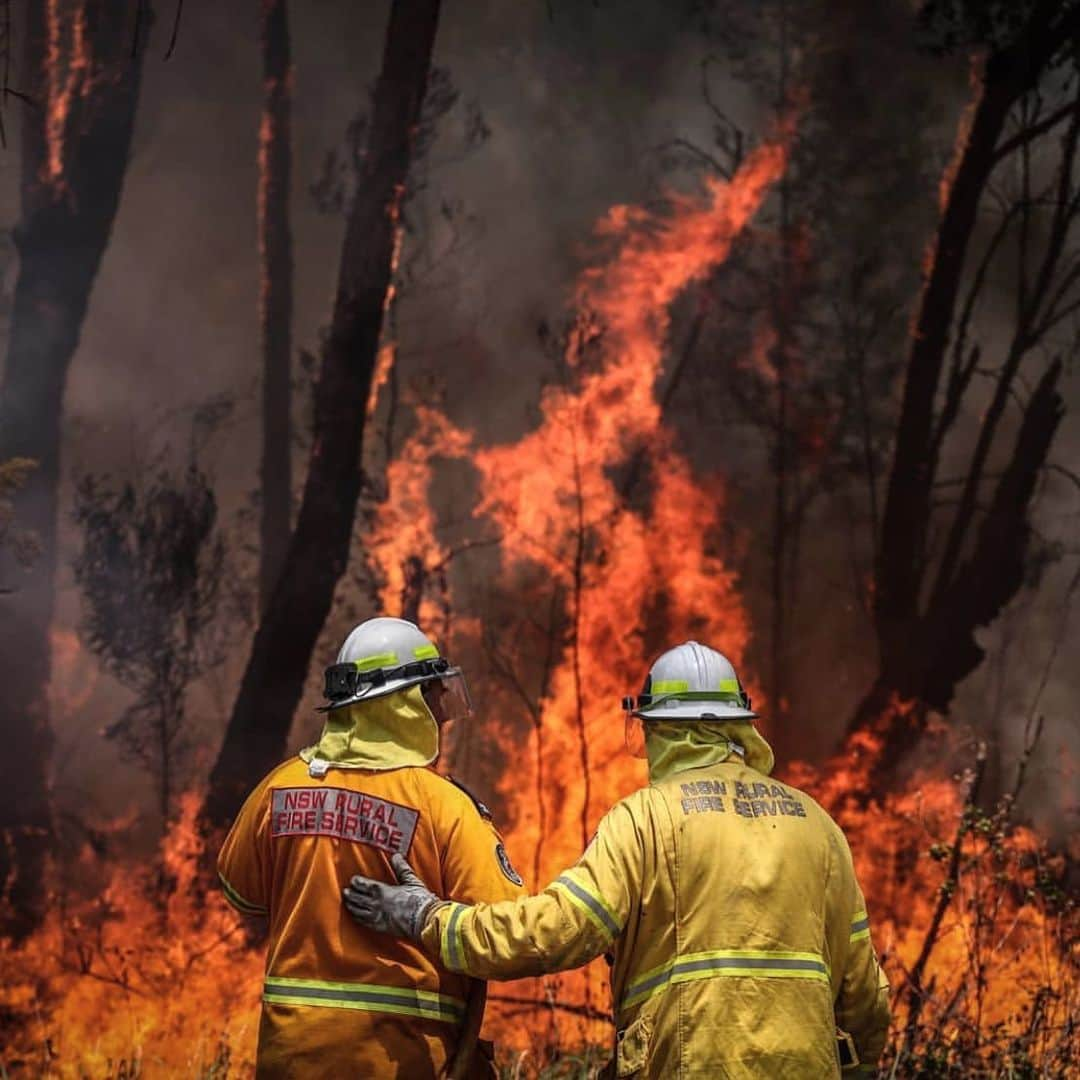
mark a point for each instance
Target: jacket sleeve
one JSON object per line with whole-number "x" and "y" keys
{"x": 570, "y": 923}
{"x": 859, "y": 983}
{"x": 243, "y": 863}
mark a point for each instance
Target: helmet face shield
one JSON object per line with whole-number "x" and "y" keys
{"x": 635, "y": 736}
{"x": 448, "y": 697}
{"x": 348, "y": 682}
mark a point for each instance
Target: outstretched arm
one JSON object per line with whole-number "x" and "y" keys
{"x": 571, "y": 922}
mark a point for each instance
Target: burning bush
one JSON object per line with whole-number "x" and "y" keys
{"x": 972, "y": 916}
{"x": 125, "y": 981}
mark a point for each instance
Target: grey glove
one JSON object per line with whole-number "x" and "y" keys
{"x": 400, "y": 909}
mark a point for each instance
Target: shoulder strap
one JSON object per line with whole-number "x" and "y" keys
{"x": 484, "y": 812}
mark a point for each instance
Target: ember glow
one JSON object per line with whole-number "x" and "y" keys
{"x": 75, "y": 673}
{"x": 68, "y": 69}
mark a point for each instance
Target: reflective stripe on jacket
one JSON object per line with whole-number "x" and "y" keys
{"x": 739, "y": 934}
{"x": 339, "y": 1000}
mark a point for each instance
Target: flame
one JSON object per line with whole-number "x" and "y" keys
{"x": 69, "y": 61}
{"x": 757, "y": 361}
{"x": 605, "y": 546}
{"x": 403, "y": 543}
{"x": 148, "y": 974}
{"x": 384, "y": 365}
{"x": 75, "y": 673}
{"x": 598, "y": 548}
{"x": 1001, "y": 977}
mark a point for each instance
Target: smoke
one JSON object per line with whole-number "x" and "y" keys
{"x": 579, "y": 99}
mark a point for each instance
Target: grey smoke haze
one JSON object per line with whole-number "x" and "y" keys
{"x": 577, "y": 96}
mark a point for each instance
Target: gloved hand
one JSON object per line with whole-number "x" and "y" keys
{"x": 400, "y": 909}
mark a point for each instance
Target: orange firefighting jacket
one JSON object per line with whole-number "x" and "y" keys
{"x": 340, "y": 1001}
{"x": 728, "y": 903}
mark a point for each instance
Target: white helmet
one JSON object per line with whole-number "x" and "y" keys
{"x": 385, "y": 655}
{"x": 691, "y": 682}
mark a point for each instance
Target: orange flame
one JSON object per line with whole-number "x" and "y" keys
{"x": 68, "y": 71}
{"x": 602, "y": 524}
{"x": 75, "y": 672}
{"x": 626, "y": 571}
{"x": 148, "y": 977}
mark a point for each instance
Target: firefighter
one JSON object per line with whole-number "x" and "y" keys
{"x": 338, "y": 1000}
{"x": 727, "y": 902}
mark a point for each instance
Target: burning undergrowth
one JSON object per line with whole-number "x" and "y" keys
{"x": 971, "y": 913}
{"x": 151, "y": 976}
{"x": 137, "y": 972}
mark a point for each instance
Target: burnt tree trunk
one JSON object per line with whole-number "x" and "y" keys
{"x": 902, "y": 552}
{"x": 275, "y": 294}
{"x": 943, "y": 649}
{"x": 784, "y": 465}
{"x": 926, "y": 635}
{"x": 76, "y": 139}
{"x": 318, "y": 550}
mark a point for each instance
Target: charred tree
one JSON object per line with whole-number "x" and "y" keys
{"x": 784, "y": 521}
{"x": 931, "y": 598}
{"x": 275, "y": 294}
{"x": 76, "y": 138}
{"x": 318, "y": 549}
{"x": 151, "y": 571}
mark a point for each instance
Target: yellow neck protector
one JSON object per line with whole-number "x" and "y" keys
{"x": 384, "y": 733}
{"x": 673, "y": 746}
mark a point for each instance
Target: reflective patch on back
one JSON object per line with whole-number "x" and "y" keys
{"x": 343, "y": 815}
{"x": 506, "y": 866}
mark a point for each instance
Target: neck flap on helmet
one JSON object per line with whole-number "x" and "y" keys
{"x": 675, "y": 746}
{"x": 386, "y": 732}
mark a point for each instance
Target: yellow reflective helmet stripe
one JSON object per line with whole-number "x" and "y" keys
{"x": 390, "y": 659}
{"x": 368, "y": 663}
{"x": 366, "y": 997}
{"x": 452, "y": 948}
{"x": 765, "y": 964}
{"x": 245, "y": 907}
{"x": 860, "y": 926}
{"x": 681, "y": 686}
{"x": 669, "y": 686}
{"x": 591, "y": 903}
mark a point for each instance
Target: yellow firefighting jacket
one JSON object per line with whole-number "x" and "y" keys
{"x": 739, "y": 935}
{"x": 339, "y": 1000}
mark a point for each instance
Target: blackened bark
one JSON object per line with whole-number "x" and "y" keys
{"x": 784, "y": 446}
{"x": 902, "y": 552}
{"x": 75, "y": 145}
{"x": 926, "y": 636}
{"x": 412, "y": 589}
{"x": 994, "y": 572}
{"x": 902, "y": 559}
{"x": 275, "y": 250}
{"x": 319, "y": 547}
{"x": 943, "y": 649}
